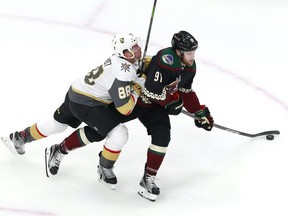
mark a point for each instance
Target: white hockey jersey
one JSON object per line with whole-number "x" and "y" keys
{"x": 110, "y": 82}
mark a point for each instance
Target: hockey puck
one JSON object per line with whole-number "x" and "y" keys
{"x": 270, "y": 137}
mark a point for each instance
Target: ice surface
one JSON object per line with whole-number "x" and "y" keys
{"x": 242, "y": 63}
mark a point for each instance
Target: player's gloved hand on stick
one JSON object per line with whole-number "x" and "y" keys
{"x": 174, "y": 107}
{"x": 146, "y": 61}
{"x": 205, "y": 120}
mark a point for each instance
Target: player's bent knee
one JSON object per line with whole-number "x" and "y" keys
{"x": 92, "y": 135}
{"x": 50, "y": 126}
{"x": 117, "y": 138}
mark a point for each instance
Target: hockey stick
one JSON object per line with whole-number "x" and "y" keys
{"x": 148, "y": 37}
{"x": 275, "y": 132}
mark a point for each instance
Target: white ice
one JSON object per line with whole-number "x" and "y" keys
{"x": 241, "y": 76}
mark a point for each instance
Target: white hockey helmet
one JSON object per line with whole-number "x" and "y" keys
{"x": 124, "y": 41}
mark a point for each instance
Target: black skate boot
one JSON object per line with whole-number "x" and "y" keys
{"x": 53, "y": 156}
{"x": 15, "y": 142}
{"x": 148, "y": 188}
{"x": 107, "y": 177}
{"x": 105, "y": 172}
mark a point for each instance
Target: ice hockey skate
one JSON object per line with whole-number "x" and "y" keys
{"x": 53, "y": 158}
{"x": 15, "y": 143}
{"x": 148, "y": 189}
{"x": 107, "y": 177}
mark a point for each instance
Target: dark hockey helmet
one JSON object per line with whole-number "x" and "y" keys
{"x": 184, "y": 41}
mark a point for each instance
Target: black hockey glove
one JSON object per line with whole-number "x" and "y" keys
{"x": 205, "y": 120}
{"x": 174, "y": 107}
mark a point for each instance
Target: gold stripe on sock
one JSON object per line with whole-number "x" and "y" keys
{"x": 35, "y": 133}
{"x": 113, "y": 156}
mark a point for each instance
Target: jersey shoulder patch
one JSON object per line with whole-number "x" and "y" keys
{"x": 168, "y": 58}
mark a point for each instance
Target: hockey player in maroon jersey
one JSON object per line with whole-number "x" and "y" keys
{"x": 168, "y": 85}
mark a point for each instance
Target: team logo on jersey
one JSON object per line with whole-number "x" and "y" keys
{"x": 125, "y": 67}
{"x": 168, "y": 59}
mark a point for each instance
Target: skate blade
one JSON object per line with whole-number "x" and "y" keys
{"x": 47, "y": 155}
{"x": 145, "y": 194}
{"x": 9, "y": 144}
{"x": 110, "y": 186}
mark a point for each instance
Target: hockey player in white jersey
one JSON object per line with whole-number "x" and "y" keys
{"x": 98, "y": 99}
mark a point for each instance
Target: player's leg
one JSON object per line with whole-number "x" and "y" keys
{"x": 158, "y": 126}
{"x": 100, "y": 121}
{"x": 115, "y": 141}
{"x": 57, "y": 123}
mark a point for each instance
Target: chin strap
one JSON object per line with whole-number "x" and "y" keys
{"x": 133, "y": 55}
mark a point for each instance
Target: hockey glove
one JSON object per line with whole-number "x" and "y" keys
{"x": 175, "y": 106}
{"x": 138, "y": 85}
{"x": 205, "y": 120}
{"x": 146, "y": 61}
